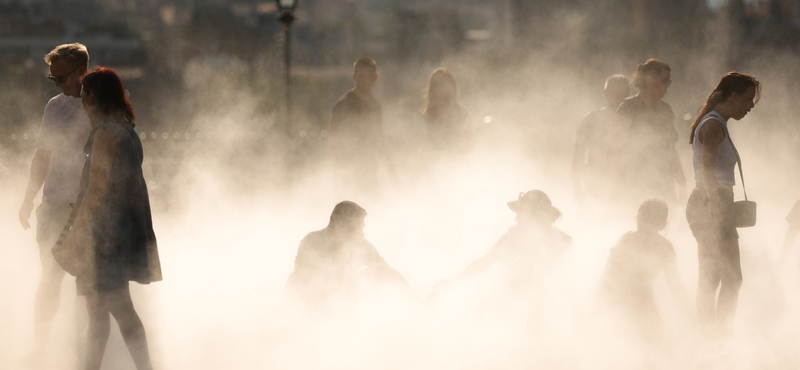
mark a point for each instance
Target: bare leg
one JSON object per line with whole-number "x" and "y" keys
{"x": 48, "y": 297}
{"x": 99, "y": 328}
{"x": 131, "y": 327}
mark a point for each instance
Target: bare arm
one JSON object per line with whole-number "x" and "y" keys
{"x": 104, "y": 150}
{"x": 711, "y": 135}
{"x": 399, "y": 282}
{"x": 475, "y": 268}
{"x": 39, "y": 166}
{"x": 788, "y": 240}
{"x": 680, "y": 177}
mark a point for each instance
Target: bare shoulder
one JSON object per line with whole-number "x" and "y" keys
{"x": 102, "y": 135}
{"x": 712, "y": 130}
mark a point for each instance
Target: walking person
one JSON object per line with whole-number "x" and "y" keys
{"x": 335, "y": 265}
{"x": 709, "y": 210}
{"x": 356, "y": 138}
{"x": 56, "y": 166}
{"x": 111, "y": 241}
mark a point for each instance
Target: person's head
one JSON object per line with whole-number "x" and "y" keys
{"x": 347, "y": 220}
{"x": 737, "y": 91}
{"x": 652, "y": 215}
{"x": 68, "y": 62}
{"x": 617, "y": 88}
{"x": 535, "y": 205}
{"x": 103, "y": 96}
{"x": 653, "y": 78}
{"x": 365, "y": 73}
{"x": 442, "y": 90}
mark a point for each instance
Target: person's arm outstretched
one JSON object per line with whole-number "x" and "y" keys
{"x": 473, "y": 269}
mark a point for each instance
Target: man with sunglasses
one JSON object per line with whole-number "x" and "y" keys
{"x": 57, "y": 164}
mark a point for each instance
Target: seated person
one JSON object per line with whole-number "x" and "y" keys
{"x": 626, "y": 286}
{"x": 526, "y": 251}
{"x": 332, "y": 264}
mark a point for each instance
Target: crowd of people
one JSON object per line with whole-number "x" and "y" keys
{"x": 95, "y": 222}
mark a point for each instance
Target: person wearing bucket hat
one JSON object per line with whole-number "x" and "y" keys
{"x": 528, "y": 250}
{"x": 535, "y": 204}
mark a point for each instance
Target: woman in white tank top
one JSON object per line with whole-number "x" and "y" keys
{"x": 709, "y": 208}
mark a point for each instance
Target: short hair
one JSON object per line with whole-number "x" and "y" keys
{"x": 650, "y": 67}
{"x": 653, "y": 212}
{"x": 365, "y": 62}
{"x": 346, "y": 210}
{"x": 75, "y": 51}
{"x": 616, "y": 80}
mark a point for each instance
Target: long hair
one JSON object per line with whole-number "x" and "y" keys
{"x": 731, "y": 82}
{"x": 442, "y": 75}
{"x": 108, "y": 92}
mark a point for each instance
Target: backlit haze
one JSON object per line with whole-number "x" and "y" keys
{"x": 233, "y": 192}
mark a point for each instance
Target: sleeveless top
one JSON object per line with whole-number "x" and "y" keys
{"x": 726, "y": 156}
{"x": 124, "y": 244}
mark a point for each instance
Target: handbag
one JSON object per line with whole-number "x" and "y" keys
{"x": 74, "y": 259}
{"x": 744, "y": 211}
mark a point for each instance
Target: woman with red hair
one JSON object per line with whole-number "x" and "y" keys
{"x": 111, "y": 241}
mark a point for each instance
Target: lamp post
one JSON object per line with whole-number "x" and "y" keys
{"x": 286, "y": 16}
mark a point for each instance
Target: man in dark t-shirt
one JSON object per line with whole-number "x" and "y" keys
{"x": 337, "y": 265}
{"x": 592, "y": 166}
{"x": 356, "y": 131}
{"x": 646, "y": 138}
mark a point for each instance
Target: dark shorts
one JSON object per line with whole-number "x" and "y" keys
{"x": 706, "y": 228}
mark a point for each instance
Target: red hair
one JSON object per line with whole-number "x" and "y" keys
{"x": 108, "y": 92}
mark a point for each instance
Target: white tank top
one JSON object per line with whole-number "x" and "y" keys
{"x": 726, "y": 156}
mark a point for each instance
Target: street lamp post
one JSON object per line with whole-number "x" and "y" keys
{"x": 286, "y": 16}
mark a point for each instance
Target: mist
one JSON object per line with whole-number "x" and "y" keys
{"x": 234, "y": 189}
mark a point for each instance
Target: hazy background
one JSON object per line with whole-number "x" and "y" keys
{"x": 234, "y": 188}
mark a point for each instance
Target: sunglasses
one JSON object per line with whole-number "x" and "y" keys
{"x": 61, "y": 79}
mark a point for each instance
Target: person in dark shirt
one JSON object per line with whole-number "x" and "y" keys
{"x": 356, "y": 132}
{"x": 445, "y": 117}
{"x": 646, "y": 138}
{"x": 590, "y": 162}
{"x": 335, "y": 263}
{"x": 636, "y": 259}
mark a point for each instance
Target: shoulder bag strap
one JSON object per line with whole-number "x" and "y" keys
{"x": 738, "y": 159}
